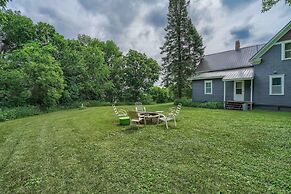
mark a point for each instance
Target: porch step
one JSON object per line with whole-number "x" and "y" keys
{"x": 232, "y": 105}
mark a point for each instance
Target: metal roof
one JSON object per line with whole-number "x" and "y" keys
{"x": 227, "y": 75}
{"x": 229, "y": 59}
{"x": 269, "y": 44}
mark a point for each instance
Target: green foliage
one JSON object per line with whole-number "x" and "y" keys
{"x": 160, "y": 95}
{"x": 16, "y": 31}
{"x": 140, "y": 73}
{"x": 209, "y": 105}
{"x": 14, "y": 89}
{"x": 97, "y": 72}
{"x": 40, "y": 67}
{"x": 40, "y": 72}
{"x": 18, "y": 112}
{"x": 268, "y": 4}
{"x": 3, "y": 3}
{"x": 183, "y": 48}
{"x": 113, "y": 59}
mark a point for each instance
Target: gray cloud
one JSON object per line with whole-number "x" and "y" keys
{"x": 236, "y": 3}
{"x": 138, "y": 24}
{"x": 242, "y": 33}
{"x": 157, "y": 17}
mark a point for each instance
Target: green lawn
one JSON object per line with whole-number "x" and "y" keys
{"x": 85, "y": 151}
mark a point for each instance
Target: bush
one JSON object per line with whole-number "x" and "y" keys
{"x": 25, "y": 111}
{"x": 18, "y": 112}
{"x": 147, "y": 99}
{"x": 189, "y": 103}
{"x": 160, "y": 95}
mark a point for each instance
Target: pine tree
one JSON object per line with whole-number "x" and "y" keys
{"x": 183, "y": 48}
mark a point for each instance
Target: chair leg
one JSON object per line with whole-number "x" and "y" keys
{"x": 175, "y": 122}
{"x": 167, "y": 124}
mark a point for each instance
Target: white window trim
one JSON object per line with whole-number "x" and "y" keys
{"x": 283, "y": 52}
{"x": 205, "y": 82}
{"x": 282, "y": 76}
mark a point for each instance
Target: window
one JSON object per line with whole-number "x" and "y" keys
{"x": 238, "y": 87}
{"x": 208, "y": 87}
{"x": 276, "y": 85}
{"x": 286, "y": 50}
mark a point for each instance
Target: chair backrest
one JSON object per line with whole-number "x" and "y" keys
{"x": 114, "y": 109}
{"x": 175, "y": 111}
{"x": 179, "y": 107}
{"x": 139, "y": 107}
{"x": 133, "y": 114}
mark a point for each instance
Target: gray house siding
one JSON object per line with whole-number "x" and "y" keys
{"x": 271, "y": 65}
{"x": 248, "y": 90}
{"x": 198, "y": 91}
{"x": 218, "y": 91}
{"x": 287, "y": 36}
{"x": 229, "y": 91}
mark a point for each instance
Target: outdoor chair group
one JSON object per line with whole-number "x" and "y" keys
{"x": 141, "y": 116}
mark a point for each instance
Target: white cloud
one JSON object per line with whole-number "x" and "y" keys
{"x": 223, "y": 20}
{"x": 212, "y": 18}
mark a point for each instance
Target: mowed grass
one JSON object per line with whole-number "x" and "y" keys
{"x": 85, "y": 151}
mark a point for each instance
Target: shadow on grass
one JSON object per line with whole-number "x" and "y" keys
{"x": 132, "y": 129}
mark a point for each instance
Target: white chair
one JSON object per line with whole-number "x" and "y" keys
{"x": 173, "y": 113}
{"x": 139, "y": 107}
{"x": 120, "y": 112}
{"x": 166, "y": 119}
{"x": 135, "y": 118}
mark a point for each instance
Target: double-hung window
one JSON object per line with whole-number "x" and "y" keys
{"x": 208, "y": 87}
{"x": 276, "y": 85}
{"x": 286, "y": 50}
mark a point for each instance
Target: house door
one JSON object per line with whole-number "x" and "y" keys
{"x": 239, "y": 91}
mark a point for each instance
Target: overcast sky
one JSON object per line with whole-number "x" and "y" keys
{"x": 139, "y": 24}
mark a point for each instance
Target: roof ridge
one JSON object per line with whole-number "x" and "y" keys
{"x": 234, "y": 50}
{"x": 227, "y": 69}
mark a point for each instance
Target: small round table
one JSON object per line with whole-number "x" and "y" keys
{"x": 150, "y": 117}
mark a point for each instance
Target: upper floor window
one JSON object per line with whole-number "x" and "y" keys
{"x": 208, "y": 87}
{"x": 276, "y": 85}
{"x": 286, "y": 50}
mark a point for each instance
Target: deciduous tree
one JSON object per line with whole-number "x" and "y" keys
{"x": 42, "y": 73}
{"x": 140, "y": 73}
{"x": 268, "y": 4}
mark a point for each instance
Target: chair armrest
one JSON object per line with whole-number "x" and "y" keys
{"x": 122, "y": 111}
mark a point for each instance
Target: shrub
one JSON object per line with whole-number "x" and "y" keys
{"x": 147, "y": 99}
{"x": 18, "y": 112}
{"x": 184, "y": 102}
{"x": 160, "y": 95}
{"x": 189, "y": 103}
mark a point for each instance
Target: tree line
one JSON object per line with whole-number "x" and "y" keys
{"x": 38, "y": 66}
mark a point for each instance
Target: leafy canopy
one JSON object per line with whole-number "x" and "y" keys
{"x": 268, "y": 4}
{"x": 140, "y": 73}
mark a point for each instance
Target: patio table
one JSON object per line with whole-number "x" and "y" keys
{"x": 150, "y": 117}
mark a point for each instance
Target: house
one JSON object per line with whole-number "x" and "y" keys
{"x": 258, "y": 75}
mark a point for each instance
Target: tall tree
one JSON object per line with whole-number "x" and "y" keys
{"x": 39, "y": 74}
{"x": 113, "y": 59}
{"x": 140, "y": 73}
{"x": 183, "y": 48}
{"x": 3, "y": 3}
{"x": 15, "y": 31}
{"x": 268, "y": 4}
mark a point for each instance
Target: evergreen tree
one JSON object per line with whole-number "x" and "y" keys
{"x": 183, "y": 48}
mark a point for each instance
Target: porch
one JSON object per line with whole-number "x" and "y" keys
{"x": 238, "y": 105}
{"x": 238, "y": 90}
